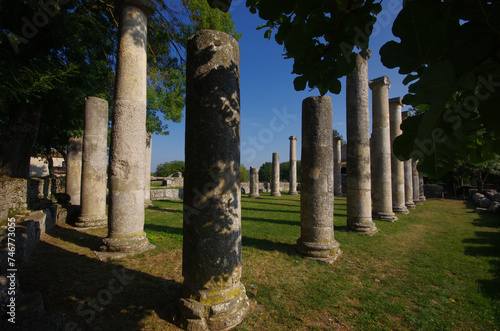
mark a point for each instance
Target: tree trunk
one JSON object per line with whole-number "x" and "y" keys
{"x": 18, "y": 139}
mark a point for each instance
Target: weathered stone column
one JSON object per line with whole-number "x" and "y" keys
{"x": 397, "y": 167}
{"x": 293, "y": 165}
{"x": 381, "y": 151}
{"x": 128, "y": 134}
{"x": 359, "y": 204}
{"x": 408, "y": 175}
{"x": 337, "y": 165}
{"x": 316, "y": 197}
{"x": 95, "y": 162}
{"x": 275, "y": 180}
{"x": 421, "y": 187}
{"x": 147, "y": 173}
{"x": 213, "y": 297}
{"x": 416, "y": 183}
{"x": 74, "y": 169}
{"x": 254, "y": 183}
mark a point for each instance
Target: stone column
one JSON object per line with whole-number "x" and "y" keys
{"x": 74, "y": 169}
{"x": 254, "y": 183}
{"x": 421, "y": 187}
{"x": 147, "y": 173}
{"x": 213, "y": 297}
{"x": 95, "y": 162}
{"x": 359, "y": 204}
{"x": 397, "y": 166}
{"x": 416, "y": 183}
{"x": 293, "y": 165}
{"x": 275, "y": 180}
{"x": 408, "y": 175}
{"x": 381, "y": 150}
{"x": 316, "y": 196}
{"x": 337, "y": 165}
{"x": 128, "y": 134}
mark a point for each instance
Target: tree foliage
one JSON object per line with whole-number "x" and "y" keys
{"x": 450, "y": 52}
{"x": 265, "y": 172}
{"x": 169, "y": 168}
{"x": 285, "y": 171}
{"x": 243, "y": 174}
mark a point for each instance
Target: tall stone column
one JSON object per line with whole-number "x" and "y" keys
{"x": 213, "y": 297}
{"x": 421, "y": 187}
{"x": 95, "y": 162}
{"x": 74, "y": 169}
{"x": 128, "y": 134}
{"x": 397, "y": 166}
{"x": 275, "y": 180}
{"x": 337, "y": 165}
{"x": 293, "y": 165}
{"x": 254, "y": 183}
{"x": 359, "y": 203}
{"x": 316, "y": 196}
{"x": 416, "y": 183}
{"x": 381, "y": 151}
{"x": 147, "y": 173}
{"x": 408, "y": 175}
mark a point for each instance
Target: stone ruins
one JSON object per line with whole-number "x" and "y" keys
{"x": 293, "y": 165}
{"x": 275, "y": 180}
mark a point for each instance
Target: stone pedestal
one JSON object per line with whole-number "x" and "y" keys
{"x": 293, "y": 165}
{"x": 275, "y": 180}
{"x": 147, "y": 174}
{"x": 397, "y": 167}
{"x": 213, "y": 297}
{"x": 95, "y": 162}
{"x": 74, "y": 170}
{"x": 408, "y": 175}
{"x": 316, "y": 196}
{"x": 416, "y": 183}
{"x": 381, "y": 151}
{"x": 359, "y": 204}
{"x": 337, "y": 165}
{"x": 254, "y": 183}
{"x": 128, "y": 134}
{"x": 421, "y": 187}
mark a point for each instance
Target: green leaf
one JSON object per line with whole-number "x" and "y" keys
{"x": 222, "y": 5}
{"x": 299, "y": 83}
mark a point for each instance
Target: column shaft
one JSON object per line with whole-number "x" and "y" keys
{"x": 74, "y": 170}
{"x": 408, "y": 175}
{"x": 421, "y": 187}
{"x": 275, "y": 180}
{"x": 316, "y": 197}
{"x": 293, "y": 165}
{"x": 359, "y": 206}
{"x": 381, "y": 151}
{"x": 416, "y": 183}
{"x": 397, "y": 166}
{"x": 128, "y": 133}
{"x": 254, "y": 183}
{"x": 337, "y": 165}
{"x": 213, "y": 297}
{"x": 147, "y": 180}
{"x": 95, "y": 161}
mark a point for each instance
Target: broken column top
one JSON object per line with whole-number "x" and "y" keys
{"x": 398, "y": 101}
{"x": 293, "y": 138}
{"x": 384, "y": 80}
{"x": 147, "y": 6}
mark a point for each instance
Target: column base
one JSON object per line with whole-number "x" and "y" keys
{"x": 417, "y": 202}
{"x": 365, "y": 226}
{"x": 388, "y": 217}
{"x": 148, "y": 203}
{"x": 400, "y": 210}
{"x": 254, "y": 196}
{"x": 293, "y": 193}
{"x": 327, "y": 253}
{"x": 410, "y": 205}
{"x": 193, "y": 315}
{"x": 128, "y": 245}
{"x": 422, "y": 199}
{"x": 275, "y": 194}
{"x": 92, "y": 222}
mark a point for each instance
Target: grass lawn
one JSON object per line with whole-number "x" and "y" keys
{"x": 437, "y": 268}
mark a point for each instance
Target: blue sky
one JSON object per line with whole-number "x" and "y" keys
{"x": 270, "y": 107}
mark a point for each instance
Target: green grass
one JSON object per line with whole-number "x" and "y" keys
{"x": 437, "y": 268}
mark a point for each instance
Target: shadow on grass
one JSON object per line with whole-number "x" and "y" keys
{"x": 93, "y": 295}
{"x": 79, "y": 238}
{"x": 272, "y": 210}
{"x": 162, "y": 228}
{"x": 268, "y": 245}
{"x": 486, "y": 244}
{"x": 268, "y": 220}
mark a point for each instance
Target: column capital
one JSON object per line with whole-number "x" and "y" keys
{"x": 147, "y": 6}
{"x": 405, "y": 115}
{"x": 397, "y": 101}
{"x": 366, "y": 54}
{"x": 338, "y": 138}
{"x": 293, "y": 138}
{"x": 378, "y": 82}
